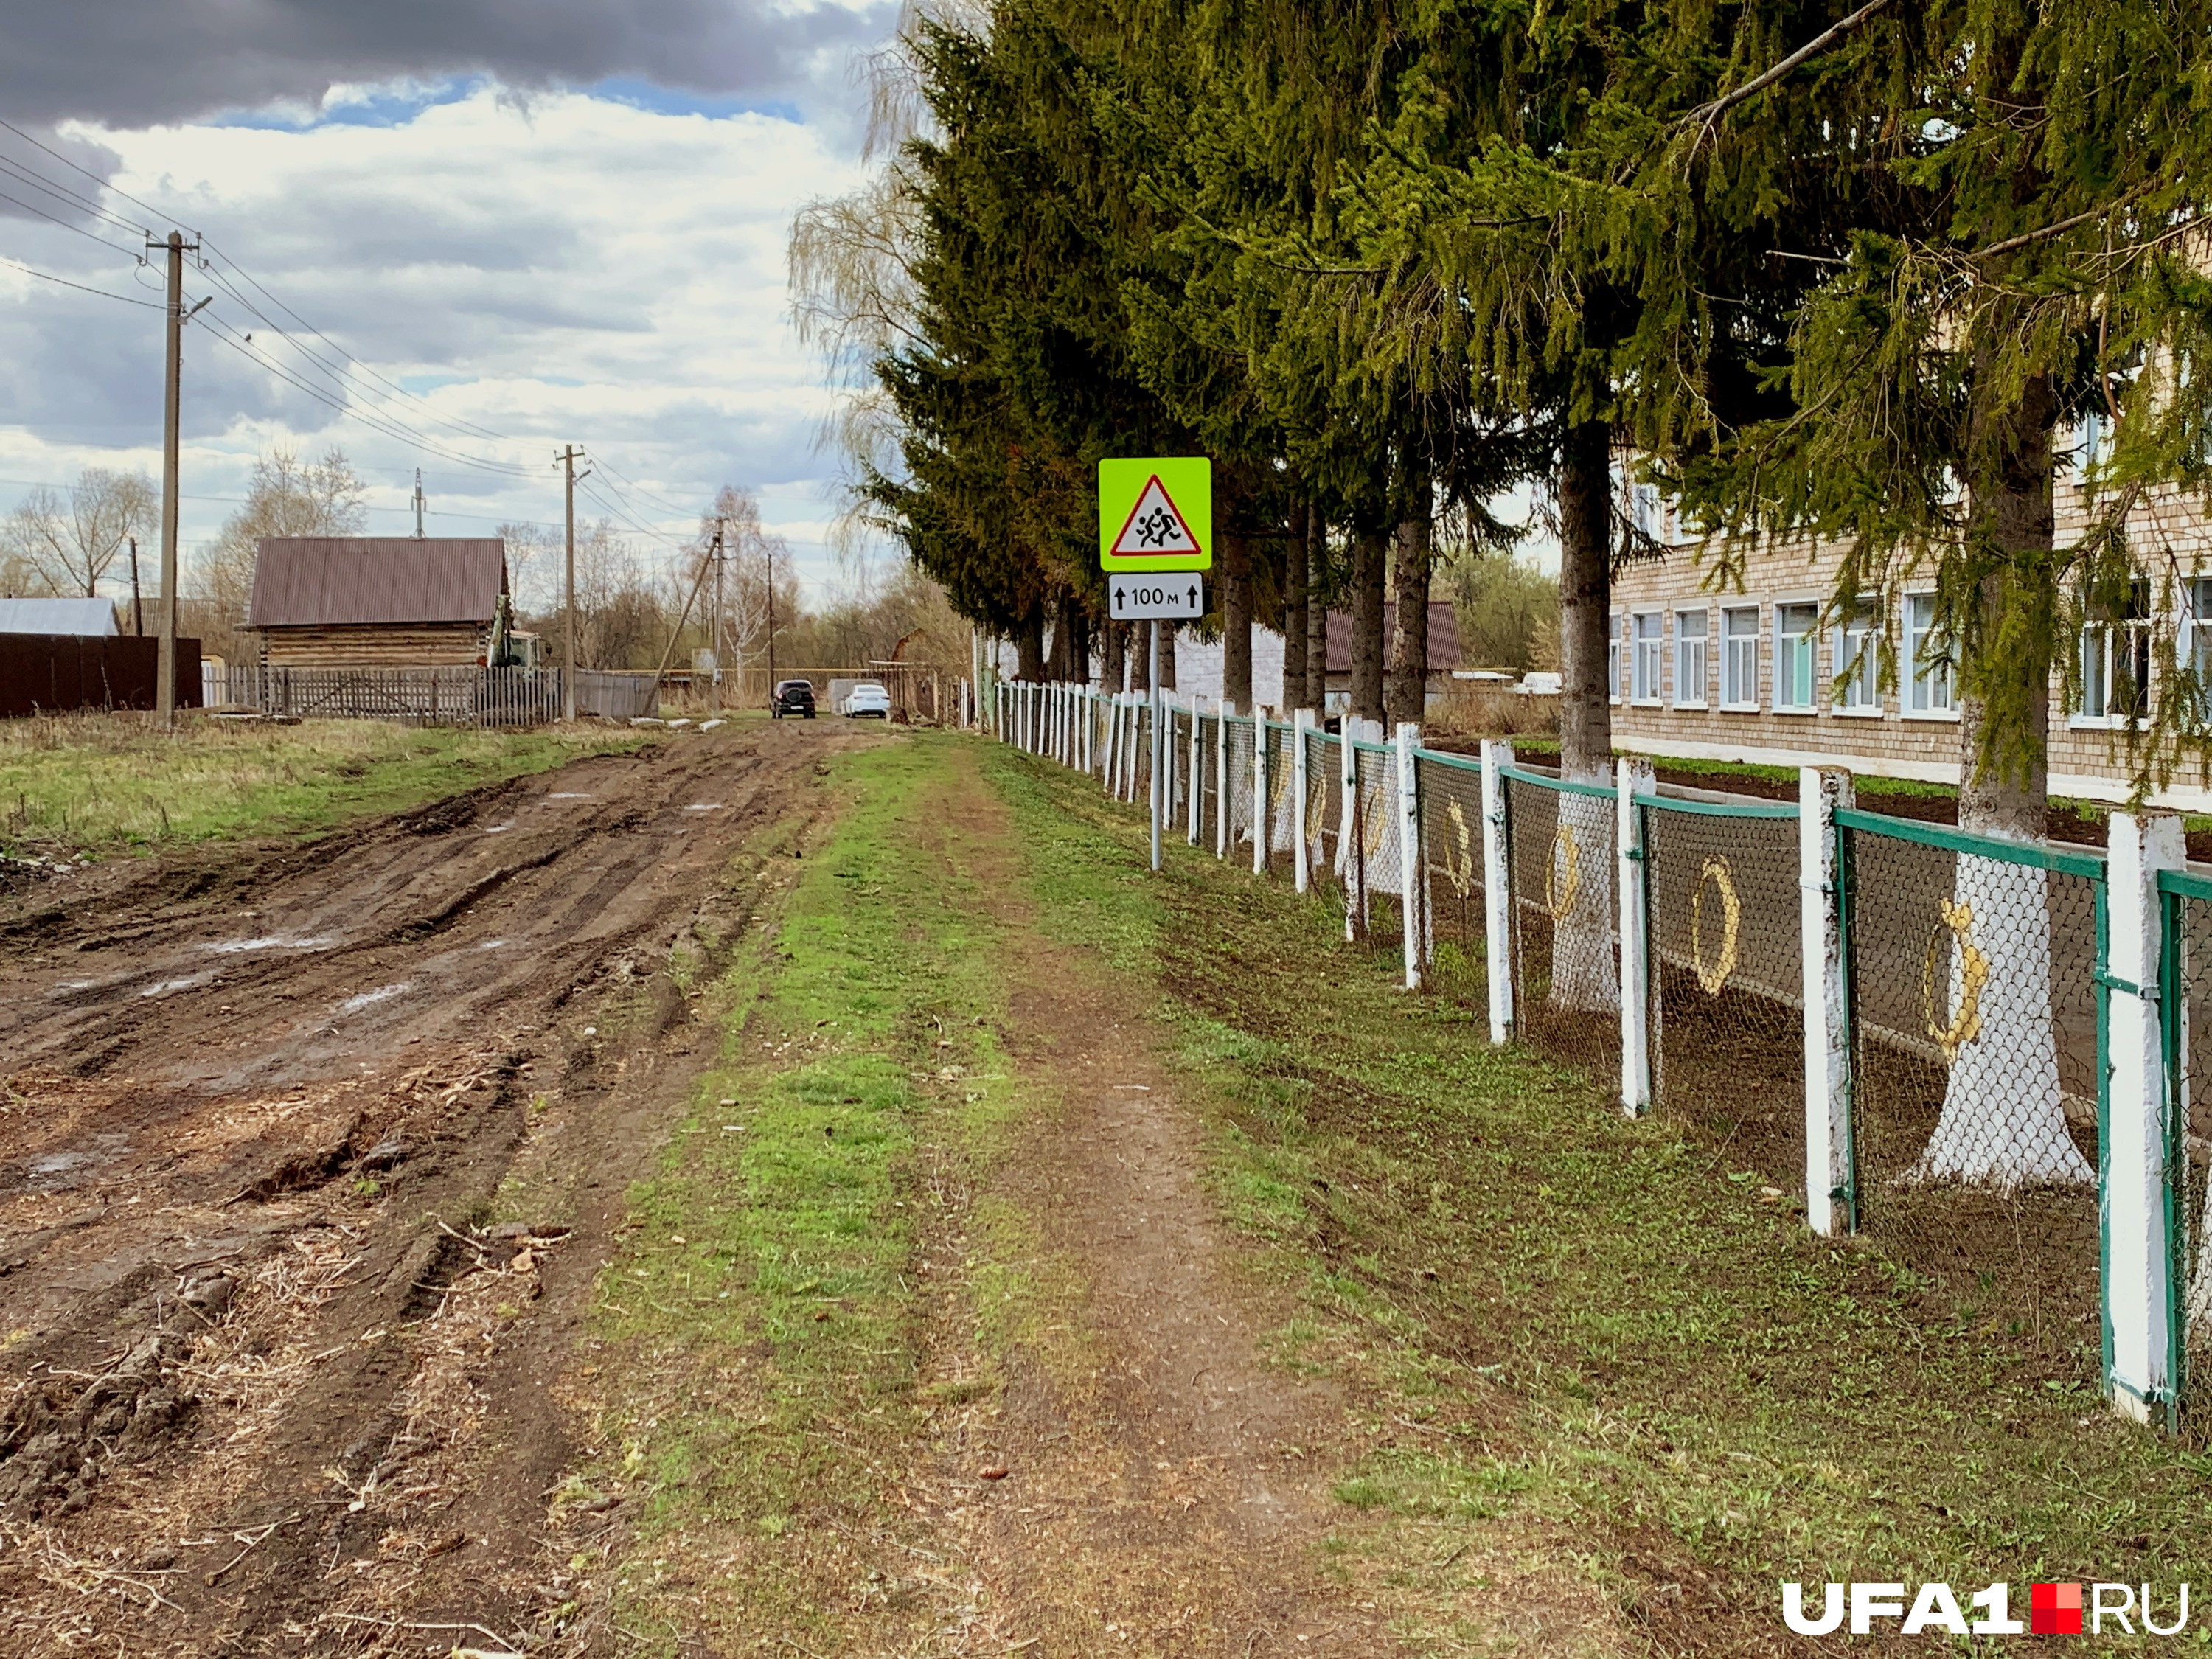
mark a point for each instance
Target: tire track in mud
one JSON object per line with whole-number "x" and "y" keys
{"x": 284, "y": 1083}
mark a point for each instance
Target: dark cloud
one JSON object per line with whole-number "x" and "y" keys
{"x": 133, "y": 64}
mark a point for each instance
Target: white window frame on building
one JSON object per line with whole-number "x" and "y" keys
{"x": 1790, "y": 674}
{"x": 1648, "y": 656}
{"x": 1928, "y": 692}
{"x": 1856, "y": 644}
{"x": 2116, "y": 666}
{"x": 1735, "y": 648}
{"x": 1615, "y": 625}
{"x": 1694, "y": 631}
{"x": 2196, "y": 646}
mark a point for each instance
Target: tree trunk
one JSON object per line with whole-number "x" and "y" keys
{"x": 2004, "y": 1123}
{"x": 1407, "y": 693}
{"x": 1168, "y": 658}
{"x": 1028, "y": 644}
{"x": 1114, "y": 656}
{"x": 1585, "y": 594}
{"x": 1367, "y": 623}
{"x": 1294, "y": 612}
{"x": 1317, "y": 618}
{"x": 1140, "y": 649}
{"x": 1236, "y": 619}
{"x": 1059, "y": 662}
{"x": 1585, "y": 969}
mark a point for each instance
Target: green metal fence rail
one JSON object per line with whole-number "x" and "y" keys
{"x": 1959, "y": 999}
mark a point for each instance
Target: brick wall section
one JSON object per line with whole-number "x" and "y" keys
{"x": 2088, "y": 760}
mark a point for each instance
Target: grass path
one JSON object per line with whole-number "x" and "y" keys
{"x": 1286, "y": 1307}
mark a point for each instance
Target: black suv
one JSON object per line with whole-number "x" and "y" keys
{"x": 792, "y": 697}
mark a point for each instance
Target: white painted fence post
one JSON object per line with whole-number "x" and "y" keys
{"x": 1351, "y": 857}
{"x": 1302, "y": 857}
{"x": 1497, "y": 891}
{"x": 1634, "y": 777}
{"x": 1259, "y": 826}
{"x": 1412, "y": 890}
{"x": 1829, "y": 1204}
{"x": 1197, "y": 804}
{"x": 1221, "y": 814}
{"x": 2141, "y": 1307}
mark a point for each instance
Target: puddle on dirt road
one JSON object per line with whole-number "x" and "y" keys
{"x": 60, "y": 1172}
{"x": 369, "y": 999}
{"x": 704, "y": 807}
{"x": 272, "y": 942}
{"x": 161, "y": 988}
{"x": 567, "y": 794}
{"x": 498, "y": 829}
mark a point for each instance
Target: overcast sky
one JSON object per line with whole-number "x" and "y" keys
{"x": 553, "y": 222}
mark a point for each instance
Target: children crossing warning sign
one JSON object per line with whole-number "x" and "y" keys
{"x": 1156, "y": 513}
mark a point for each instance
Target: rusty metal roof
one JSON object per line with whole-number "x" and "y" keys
{"x": 323, "y": 581}
{"x": 1443, "y": 637}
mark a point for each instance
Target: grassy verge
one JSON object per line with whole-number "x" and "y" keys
{"x": 762, "y": 1380}
{"x": 1569, "y": 1328}
{"x": 101, "y": 784}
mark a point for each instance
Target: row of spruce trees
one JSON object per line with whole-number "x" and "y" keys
{"x": 1848, "y": 268}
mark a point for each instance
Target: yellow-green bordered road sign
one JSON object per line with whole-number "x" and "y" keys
{"x": 1156, "y": 513}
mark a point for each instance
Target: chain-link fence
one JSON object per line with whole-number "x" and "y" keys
{"x": 1967, "y": 1104}
{"x": 1324, "y": 813}
{"x": 1451, "y": 869}
{"x": 1566, "y": 944}
{"x": 1371, "y": 848}
{"x": 2187, "y": 918}
{"x": 1726, "y": 986}
{"x": 1976, "y": 1096}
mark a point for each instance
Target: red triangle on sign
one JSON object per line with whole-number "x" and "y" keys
{"x": 1155, "y": 527}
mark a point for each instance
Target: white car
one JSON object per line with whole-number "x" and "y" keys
{"x": 867, "y": 701}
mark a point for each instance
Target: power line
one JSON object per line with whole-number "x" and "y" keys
{"x": 56, "y": 219}
{"x": 95, "y": 178}
{"x": 28, "y": 271}
{"x": 38, "y": 181}
{"x": 376, "y": 421}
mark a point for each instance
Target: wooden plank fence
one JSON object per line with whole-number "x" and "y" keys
{"x": 426, "y": 696}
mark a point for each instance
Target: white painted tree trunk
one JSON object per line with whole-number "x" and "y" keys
{"x": 1585, "y": 977}
{"x": 2003, "y": 1124}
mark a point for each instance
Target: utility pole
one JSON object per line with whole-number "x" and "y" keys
{"x": 418, "y": 503}
{"x": 720, "y": 524}
{"x": 165, "y": 690}
{"x": 137, "y": 611}
{"x": 767, "y": 552}
{"x": 568, "y": 460}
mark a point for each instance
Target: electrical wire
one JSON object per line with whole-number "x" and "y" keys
{"x": 127, "y": 252}
{"x": 38, "y": 181}
{"x": 79, "y": 167}
{"x": 30, "y": 270}
{"x": 225, "y": 335}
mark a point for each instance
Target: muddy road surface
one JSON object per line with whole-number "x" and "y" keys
{"x": 308, "y": 1158}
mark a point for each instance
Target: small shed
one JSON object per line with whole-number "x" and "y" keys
{"x": 1443, "y": 644}
{"x": 376, "y": 601}
{"x": 86, "y": 619}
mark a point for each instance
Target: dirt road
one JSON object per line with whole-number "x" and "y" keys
{"x": 264, "y": 1111}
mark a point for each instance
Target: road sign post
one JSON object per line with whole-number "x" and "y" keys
{"x": 1155, "y": 535}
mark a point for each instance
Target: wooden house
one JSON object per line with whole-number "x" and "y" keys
{"x": 376, "y": 601}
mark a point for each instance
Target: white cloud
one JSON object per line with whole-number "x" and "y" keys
{"x": 564, "y": 268}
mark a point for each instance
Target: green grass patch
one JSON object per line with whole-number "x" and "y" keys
{"x": 103, "y": 785}
{"x": 1559, "y": 1321}
{"x": 763, "y": 1333}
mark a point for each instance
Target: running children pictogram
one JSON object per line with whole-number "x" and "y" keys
{"x": 1156, "y": 513}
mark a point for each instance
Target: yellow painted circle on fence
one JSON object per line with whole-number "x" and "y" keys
{"x": 1974, "y": 973}
{"x": 1560, "y": 884}
{"x": 1715, "y": 978}
{"x": 1460, "y": 869}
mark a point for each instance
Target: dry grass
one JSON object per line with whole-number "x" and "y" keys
{"x": 1476, "y": 708}
{"x": 93, "y": 785}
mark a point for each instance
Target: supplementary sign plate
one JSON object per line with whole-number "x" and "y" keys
{"x": 1156, "y": 513}
{"x": 1146, "y": 598}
